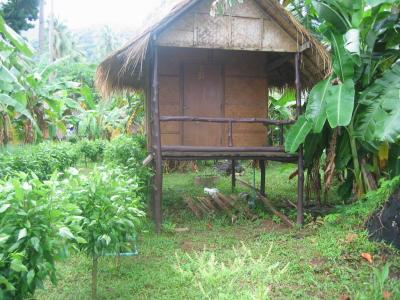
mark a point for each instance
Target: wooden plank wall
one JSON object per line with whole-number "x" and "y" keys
{"x": 244, "y": 27}
{"x": 245, "y": 91}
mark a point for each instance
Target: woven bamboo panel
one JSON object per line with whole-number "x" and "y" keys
{"x": 247, "y": 9}
{"x": 244, "y": 90}
{"x": 213, "y": 32}
{"x": 249, "y": 140}
{"x": 213, "y": 83}
{"x": 246, "y": 26}
{"x": 276, "y": 39}
{"x": 170, "y": 139}
{"x": 247, "y": 33}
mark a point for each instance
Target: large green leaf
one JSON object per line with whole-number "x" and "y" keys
{"x": 316, "y": 105}
{"x": 340, "y": 103}
{"x": 52, "y": 67}
{"x": 380, "y": 104}
{"x": 389, "y": 129}
{"x": 343, "y": 151}
{"x": 288, "y": 96}
{"x": 18, "y": 107}
{"x": 297, "y": 134}
{"x": 314, "y": 146}
{"x": 15, "y": 38}
{"x": 88, "y": 96}
{"x": 330, "y": 13}
{"x": 7, "y": 76}
{"x": 343, "y": 65}
{"x": 373, "y": 3}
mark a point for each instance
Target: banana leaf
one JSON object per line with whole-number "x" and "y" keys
{"x": 316, "y": 105}
{"x": 340, "y": 103}
{"x": 297, "y": 134}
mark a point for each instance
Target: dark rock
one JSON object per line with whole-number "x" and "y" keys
{"x": 384, "y": 224}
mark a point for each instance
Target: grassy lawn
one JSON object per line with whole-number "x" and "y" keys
{"x": 246, "y": 260}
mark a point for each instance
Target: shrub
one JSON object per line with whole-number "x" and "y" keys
{"x": 43, "y": 159}
{"x": 126, "y": 150}
{"x": 33, "y": 235}
{"x": 92, "y": 150}
{"x": 129, "y": 152}
{"x": 110, "y": 205}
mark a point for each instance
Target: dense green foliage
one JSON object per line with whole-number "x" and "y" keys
{"x": 129, "y": 153}
{"x": 97, "y": 212}
{"x": 109, "y": 202}
{"x": 353, "y": 114}
{"x": 92, "y": 150}
{"x": 48, "y": 158}
{"x": 40, "y": 101}
{"x": 33, "y": 231}
{"x": 43, "y": 160}
{"x": 20, "y": 14}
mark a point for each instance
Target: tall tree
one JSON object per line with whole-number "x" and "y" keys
{"x": 19, "y": 14}
{"x": 41, "y": 26}
{"x": 51, "y": 33}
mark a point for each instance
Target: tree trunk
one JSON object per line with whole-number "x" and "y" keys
{"x": 29, "y": 133}
{"x": 51, "y": 32}
{"x": 41, "y": 121}
{"x": 4, "y": 138}
{"x": 41, "y": 27}
{"x": 356, "y": 163}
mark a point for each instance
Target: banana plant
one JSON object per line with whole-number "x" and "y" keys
{"x": 361, "y": 96}
{"x": 14, "y": 53}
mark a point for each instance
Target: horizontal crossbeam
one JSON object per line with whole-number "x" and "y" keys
{"x": 225, "y": 120}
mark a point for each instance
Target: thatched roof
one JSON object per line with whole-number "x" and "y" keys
{"x": 123, "y": 69}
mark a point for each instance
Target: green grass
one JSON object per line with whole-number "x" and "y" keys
{"x": 246, "y": 260}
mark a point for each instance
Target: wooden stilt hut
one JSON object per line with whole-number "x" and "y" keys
{"x": 206, "y": 80}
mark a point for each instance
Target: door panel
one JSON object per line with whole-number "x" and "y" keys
{"x": 203, "y": 97}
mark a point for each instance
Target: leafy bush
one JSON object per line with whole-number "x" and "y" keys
{"x": 92, "y": 150}
{"x": 124, "y": 150}
{"x": 43, "y": 159}
{"x": 32, "y": 235}
{"x": 110, "y": 205}
{"x": 129, "y": 152}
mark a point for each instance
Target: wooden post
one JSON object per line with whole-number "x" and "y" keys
{"x": 300, "y": 163}
{"x": 233, "y": 175}
{"x": 156, "y": 141}
{"x": 262, "y": 183}
{"x": 230, "y": 137}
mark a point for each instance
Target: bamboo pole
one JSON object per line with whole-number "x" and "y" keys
{"x": 233, "y": 175}
{"x": 225, "y": 120}
{"x": 300, "y": 162}
{"x": 157, "y": 188}
{"x": 262, "y": 183}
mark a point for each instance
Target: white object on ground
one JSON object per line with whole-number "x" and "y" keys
{"x": 211, "y": 192}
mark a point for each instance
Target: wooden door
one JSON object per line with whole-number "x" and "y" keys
{"x": 203, "y": 97}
